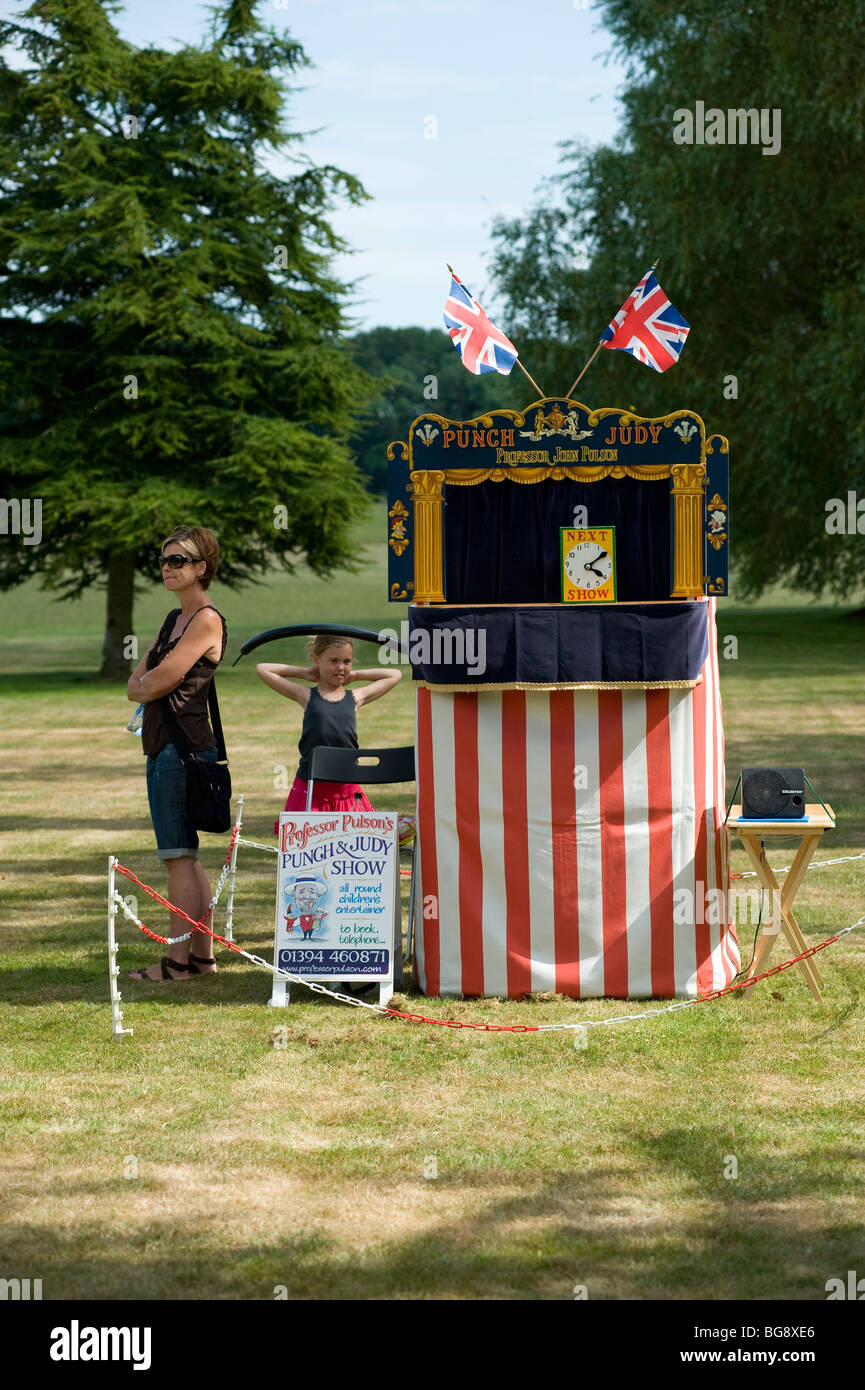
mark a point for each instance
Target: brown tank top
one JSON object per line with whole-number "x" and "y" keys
{"x": 188, "y": 701}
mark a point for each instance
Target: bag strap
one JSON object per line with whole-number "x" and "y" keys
{"x": 177, "y": 737}
{"x": 216, "y": 721}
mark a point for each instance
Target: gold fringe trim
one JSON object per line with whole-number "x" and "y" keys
{"x": 584, "y": 473}
{"x": 580, "y": 685}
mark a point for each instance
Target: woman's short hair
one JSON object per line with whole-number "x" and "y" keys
{"x": 201, "y": 544}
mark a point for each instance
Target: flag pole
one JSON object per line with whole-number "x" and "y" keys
{"x": 583, "y": 372}
{"x": 596, "y": 351}
{"x": 531, "y": 378}
{"x": 519, "y": 363}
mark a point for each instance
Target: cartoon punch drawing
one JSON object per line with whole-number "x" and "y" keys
{"x": 303, "y": 896}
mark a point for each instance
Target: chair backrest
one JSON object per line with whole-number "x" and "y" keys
{"x": 362, "y": 765}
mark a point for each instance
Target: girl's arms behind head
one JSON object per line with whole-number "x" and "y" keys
{"x": 379, "y": 685}
{"x": 276, "y": 676}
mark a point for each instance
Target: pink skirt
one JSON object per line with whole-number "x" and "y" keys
{"x": 326, "y": 796}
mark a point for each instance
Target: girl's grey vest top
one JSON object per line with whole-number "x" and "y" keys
{"x": 328, "y": 723}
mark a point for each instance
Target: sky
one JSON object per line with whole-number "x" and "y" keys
{"x": 448, "y": 111}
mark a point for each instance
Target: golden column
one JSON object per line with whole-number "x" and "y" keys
{"x": 428, "y": 500}
{"x": 689, "y": 483}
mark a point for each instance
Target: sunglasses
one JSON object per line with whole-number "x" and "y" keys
{"x": 176, "y": 561}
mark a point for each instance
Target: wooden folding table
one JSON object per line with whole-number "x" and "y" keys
{"x": 809, "y": 831}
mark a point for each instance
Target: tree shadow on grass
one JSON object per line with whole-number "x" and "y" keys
{"x": 576, "y": 1228}
{"x": 709, "y": 1161}
{"x": 235, "y": 982}
{"x": 66, "y": 825}
{"x": 36, "y": 985}
{"x": 83, "y": 769}
{"x": 41, "y": 682}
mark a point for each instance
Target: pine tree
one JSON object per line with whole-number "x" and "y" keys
{"x": 170, "y": 329}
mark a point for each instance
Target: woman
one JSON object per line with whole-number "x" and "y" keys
{"x": 179, "y": 665}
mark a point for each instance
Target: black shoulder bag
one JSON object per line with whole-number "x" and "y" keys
{"x": 208, "y": 785}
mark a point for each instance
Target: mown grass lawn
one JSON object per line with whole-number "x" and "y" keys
{"x": 196, "y": 1160}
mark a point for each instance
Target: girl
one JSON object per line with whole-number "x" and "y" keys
{"x": 180, "y": 664}
{"x": 329, "y": 715}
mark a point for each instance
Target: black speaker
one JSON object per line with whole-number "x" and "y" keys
{"x": 773, "y": 793}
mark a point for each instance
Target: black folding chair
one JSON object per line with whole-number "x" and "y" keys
{"x": 359, "y": 765}
{"x": 369, "y": 765}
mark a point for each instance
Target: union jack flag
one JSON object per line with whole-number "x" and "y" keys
{"x": 648, "y": 326}
{"x": 482, "y": 346}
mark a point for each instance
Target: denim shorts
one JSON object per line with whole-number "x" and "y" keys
{"x": 166, "y": 792}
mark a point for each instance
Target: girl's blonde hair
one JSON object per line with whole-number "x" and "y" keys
{"x": 316, "y": 646}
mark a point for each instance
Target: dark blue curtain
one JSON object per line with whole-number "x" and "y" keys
{"x": 502, "y": 540}
{"x": 661, "y": 642}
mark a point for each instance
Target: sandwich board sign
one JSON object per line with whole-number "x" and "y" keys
{"x": 338, "y": 913}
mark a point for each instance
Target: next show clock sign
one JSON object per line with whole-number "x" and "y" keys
{"x": 588, "y": 564}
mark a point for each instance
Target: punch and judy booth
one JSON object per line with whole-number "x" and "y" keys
{"x": 562, "y": 568}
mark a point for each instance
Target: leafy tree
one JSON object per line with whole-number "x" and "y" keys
{"x": 762, "y": 253}
{"x": 170, "y": 333}
{"x": 420, "y": 373}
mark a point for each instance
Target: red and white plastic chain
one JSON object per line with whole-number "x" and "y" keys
{"x": 453, "y": 1022}
{"x": 178, "y": 912}
{"x": 815, "y": 864}
{"x": 254, "y": 844}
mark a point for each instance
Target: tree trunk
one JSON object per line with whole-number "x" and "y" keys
{"x": 116, "y": 651}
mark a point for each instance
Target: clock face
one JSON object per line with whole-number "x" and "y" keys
{"x": 588, "y": 565}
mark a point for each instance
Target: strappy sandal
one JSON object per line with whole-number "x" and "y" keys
{"x": 195, "y": 961}
{"x": 166, "y": 961}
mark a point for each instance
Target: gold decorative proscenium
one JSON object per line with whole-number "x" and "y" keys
{"x": 687, "y": 491}
{"x": 716, "y": 538}
{"x": 427, "y": 498}
{"x": 689, "y": 483}
{"x": 398, "y": 516}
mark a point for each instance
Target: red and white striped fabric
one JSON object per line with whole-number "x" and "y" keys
{"x": 535, "y": 876}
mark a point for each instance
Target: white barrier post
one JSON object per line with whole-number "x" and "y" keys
{"x": 280, "y": 993}
{"x": 386, "y": 988}
{"x": 117, "y": 1029}
{"x": 229, "y": 906}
